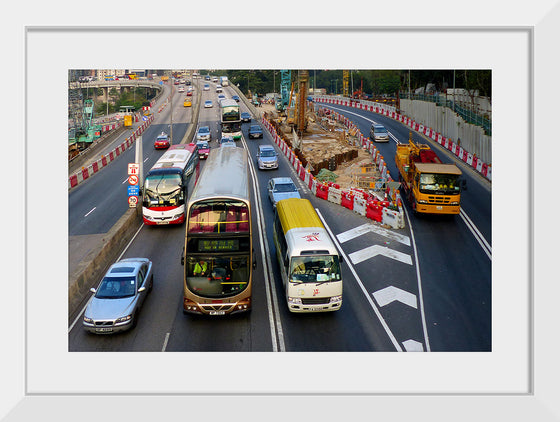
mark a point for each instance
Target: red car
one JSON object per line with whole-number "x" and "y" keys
{"x": 162, "y": 141}
{"x": 203, "y": 149}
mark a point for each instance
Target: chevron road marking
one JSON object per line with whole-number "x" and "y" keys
{"x": 375, "y": 250}
{"x": 368, "y": 227}
{"x": 413, "y": 346}
{"x": 392, "y": 293}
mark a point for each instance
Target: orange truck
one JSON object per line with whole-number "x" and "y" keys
{"x": 430, "y": 186}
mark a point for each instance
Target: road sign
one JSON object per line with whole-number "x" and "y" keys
{"x": 133, "y": 190}
{"x": 133, "y": 168}
{"x": 132, "y": 201}
{"x": 133, "y": 180}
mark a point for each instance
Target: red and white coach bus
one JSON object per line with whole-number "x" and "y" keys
{"x": 168, "y": 183}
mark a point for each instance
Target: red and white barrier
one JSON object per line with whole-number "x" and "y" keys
{"x": 484, "y": 169}
{"x": 83, "y": 174}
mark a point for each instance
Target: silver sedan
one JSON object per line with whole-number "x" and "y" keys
{"x": 120, "y": 295}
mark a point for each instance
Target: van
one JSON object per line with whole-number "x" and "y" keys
{"x": 307, "y": 257}
{"x": 378, "y": 133}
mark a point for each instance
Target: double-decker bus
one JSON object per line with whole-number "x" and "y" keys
{"x": 218, "y": 251}
{"x": 308, "y": 259}
{"x": 168, "y": 183}
{"x": 231, "y": 119}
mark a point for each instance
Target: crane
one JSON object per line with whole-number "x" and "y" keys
{"x": 285, "y": 81}
{"x": 345, "y": 78}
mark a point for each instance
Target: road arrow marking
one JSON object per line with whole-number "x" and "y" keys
{"x": 375, "y": 250}
{"x": 368, "y": 227}
{"x": 392, "y": 293}
{"x": 413, "y": 346}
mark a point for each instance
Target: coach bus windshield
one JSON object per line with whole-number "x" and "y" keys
{"x": 163, "y": 190}
{"x": 315, "y": 269}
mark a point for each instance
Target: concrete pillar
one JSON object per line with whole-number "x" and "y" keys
{"x": 105, "y": 94}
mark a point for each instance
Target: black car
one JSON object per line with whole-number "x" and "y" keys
{"x": 245, "y": 117}
{"x": 255, "y": 131}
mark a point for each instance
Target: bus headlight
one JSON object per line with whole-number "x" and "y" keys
{"x": 336, "y": 298}
{"x": 294, "y": 300}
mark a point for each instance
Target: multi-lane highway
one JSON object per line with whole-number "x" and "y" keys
{"x": 423, "y": 288}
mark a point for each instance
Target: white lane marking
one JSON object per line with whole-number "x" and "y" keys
{"x": 93, "y": 209}
{"x": 368, "y": 227}
{"x": 124, "y": 181}
{"x": 365, "y": 118}
{"x": 361, "y": 285}
{"x": 413, "y": 346}
{"x": 273, "y": 311}
{"x": 165, "y": 342}
{"x": 419, "y": 278}
{"x": 118, "y": 259}
{"x": 477, "y": 235}
{"x": 392, "y": 293}
{"x": 375, "y": 250}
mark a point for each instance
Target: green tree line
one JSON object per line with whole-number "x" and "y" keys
{"x": 375, "y": 82}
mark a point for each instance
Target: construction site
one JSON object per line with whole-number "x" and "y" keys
{"x": 324, "y": 145}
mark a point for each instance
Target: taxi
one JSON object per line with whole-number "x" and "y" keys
{"x": 162, "y": 141}
{"x": 187, "y": 102}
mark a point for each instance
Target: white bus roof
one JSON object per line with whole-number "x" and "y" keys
{"x": 224, "y": 175}
{"x": 229, "y": 102}
{"x": 177, "y": 158}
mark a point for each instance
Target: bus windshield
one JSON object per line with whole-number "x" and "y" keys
{"x": 163, "y": 190}
{"x": 314, "y": 269}
{"x": 218, "y": 216}
{"x": 231, "y": 127}
{"x": 217, "y": 277}
{"x": 439, "y": 184}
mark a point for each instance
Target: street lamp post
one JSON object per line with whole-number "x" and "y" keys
{"x": 171, "y": 126}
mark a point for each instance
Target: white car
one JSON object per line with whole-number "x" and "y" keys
{"x": 281, "y": 188}
{"x": 208, "y": 103}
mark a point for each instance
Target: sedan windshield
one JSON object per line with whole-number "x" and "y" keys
{"x": 116, "y": 288}
{"x": 284, "y": 187}
{"x": 268, "y": 153}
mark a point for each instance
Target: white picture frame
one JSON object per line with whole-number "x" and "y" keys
{"x": 28, "y": 392}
